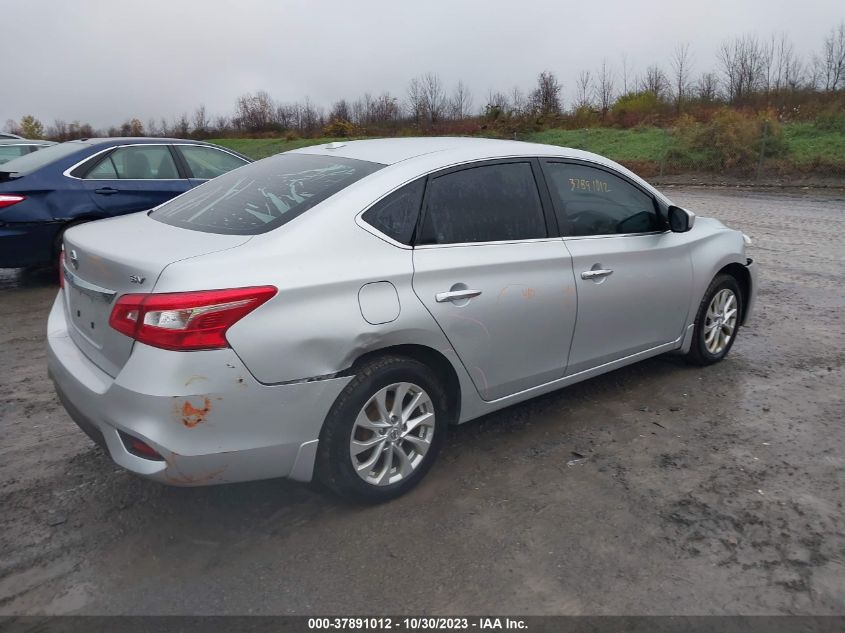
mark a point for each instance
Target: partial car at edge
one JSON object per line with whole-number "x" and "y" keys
{"x": 44, "y": 193}
{"x": 327, "y": 312}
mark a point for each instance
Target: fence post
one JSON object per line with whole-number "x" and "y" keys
{"x": 762, "y": 149}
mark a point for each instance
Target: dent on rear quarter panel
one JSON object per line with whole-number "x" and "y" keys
{"x": 314, "y": 326}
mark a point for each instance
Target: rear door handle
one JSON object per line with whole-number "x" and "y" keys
{"x": 455, "y": 295}
{"x": 595, "y": 274}
{"x": 106, "y": 191}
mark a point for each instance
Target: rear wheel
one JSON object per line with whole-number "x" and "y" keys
{"x": 384, "y": 430}
{"x": 717, "y": 321}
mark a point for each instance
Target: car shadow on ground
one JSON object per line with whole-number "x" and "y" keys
{"x": 40, "y": 277}
{"x": 237, "y": 503}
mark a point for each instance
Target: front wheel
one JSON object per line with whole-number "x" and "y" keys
{"x": 384, "y": 430}
{"x": 717, "y": 321}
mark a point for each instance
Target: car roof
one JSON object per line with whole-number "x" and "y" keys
{"x": 389, "y": 151}
{"x": 24, "y": 141}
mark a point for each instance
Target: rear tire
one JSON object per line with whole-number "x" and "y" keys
{"x": 716, "y": 322}
{"x": 384, "y": 431}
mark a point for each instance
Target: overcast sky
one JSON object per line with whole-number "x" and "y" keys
{"x": 104, "y": 61}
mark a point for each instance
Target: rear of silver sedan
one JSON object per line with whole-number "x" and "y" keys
{"x": 152, "y": 377}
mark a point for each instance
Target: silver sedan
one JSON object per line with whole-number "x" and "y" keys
{"x": 328, "y": 311}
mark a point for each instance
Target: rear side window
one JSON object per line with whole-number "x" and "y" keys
{"x": 396, "y": 215}
{"x": 9, "y": 152}
{"x": 483, "y": 204}
{"x": 207, "y": 162}
{"x": 36, "y": 160}
{"x": 140, "y": 162}
{"x": 593, "y": 201}
{"x": 264, "y": 195}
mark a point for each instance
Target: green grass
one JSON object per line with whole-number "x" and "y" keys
{"x": 262, "y": 147}
{"x": 634, "y": 144}
{"x": 807, "y": 144}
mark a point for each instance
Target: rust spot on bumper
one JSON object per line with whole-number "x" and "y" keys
{"x": 191, "y": 416}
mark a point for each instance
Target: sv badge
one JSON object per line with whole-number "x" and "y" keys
{"x": 136, "y": 279}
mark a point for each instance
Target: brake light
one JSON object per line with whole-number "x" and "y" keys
{"x": 186, "y": 320}
{"x": 7, "y": 200}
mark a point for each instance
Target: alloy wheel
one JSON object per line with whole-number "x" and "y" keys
{"x": 392, "y": 434}
{"x": 720, "y": 321}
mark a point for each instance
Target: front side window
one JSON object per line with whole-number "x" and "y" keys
{"x": 264, "y": 195}
{"x": 396, "y": 214}
{"x": 139, "y": 162}
{"x": 593, "y": 201}
{"x": 207, "y": 162}
{"x": 489, "y": 203}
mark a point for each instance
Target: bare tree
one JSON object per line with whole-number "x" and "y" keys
{"x": 654, "y": 81}
{"x": 788, "y": 69}
{"x": 254, "y": 112}
{"x": 497, "y": 104}
{"x": 625, "y": 73}
{"x": 201, "y": 122}
{"x": 743, "y": 61}
{"x": 545, "y": 98}
{"x": 517, "y": 103}
{"x": 585, "y": 89}
{"x": 58, "y": 131}
{"x": 604, "y": 88}
{"x": 830, "y": 65}
{"x": 460, "y": 103}
{"x": 416, "y": 101}
{"x": 182, "y": 126}
{"x": 222, "y": 124}
{"x": 681, "y": 61}
{"x": 341, "y": 111}
{"x": 707, "y": 87}
{"x": 434, "y": 97}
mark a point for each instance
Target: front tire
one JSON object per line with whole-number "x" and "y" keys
{"x": 717, "y": 321}
{"x": 384, "y": 431}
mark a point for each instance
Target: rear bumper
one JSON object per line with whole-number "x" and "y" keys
{"x": 26, "y": 243}
{"x": 203, "y": 412}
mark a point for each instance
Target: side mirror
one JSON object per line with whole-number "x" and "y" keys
{"x": 680, "y": 220}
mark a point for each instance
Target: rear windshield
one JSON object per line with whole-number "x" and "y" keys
{"x": 29, "y": 163}
{"x": 262, "y": 196}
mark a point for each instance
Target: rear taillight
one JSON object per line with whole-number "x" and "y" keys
{"x": 62, "y": 268}
{"x": 8, "y": 199}
{"x": 186, "y": 320}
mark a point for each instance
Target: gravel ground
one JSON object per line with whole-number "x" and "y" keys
{"x": 656, "y": 489}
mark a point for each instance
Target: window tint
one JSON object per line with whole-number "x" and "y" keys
{"x": 595, "y": 202}
{"x": 263, "y": 195}
{"x": 140, "y": 162}
{"x": 396, "y": 214}
{"x": 207, "y": 162}
{"x": 483, "y": 204}
{"x": 8, "y": 152}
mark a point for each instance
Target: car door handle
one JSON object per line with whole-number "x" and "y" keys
{"x": 106, "y": 191}
{"x": 455, "y": 295}
{"x": 595, "y": 274}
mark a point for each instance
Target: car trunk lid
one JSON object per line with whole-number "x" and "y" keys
{"x": 110, "y": 258}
